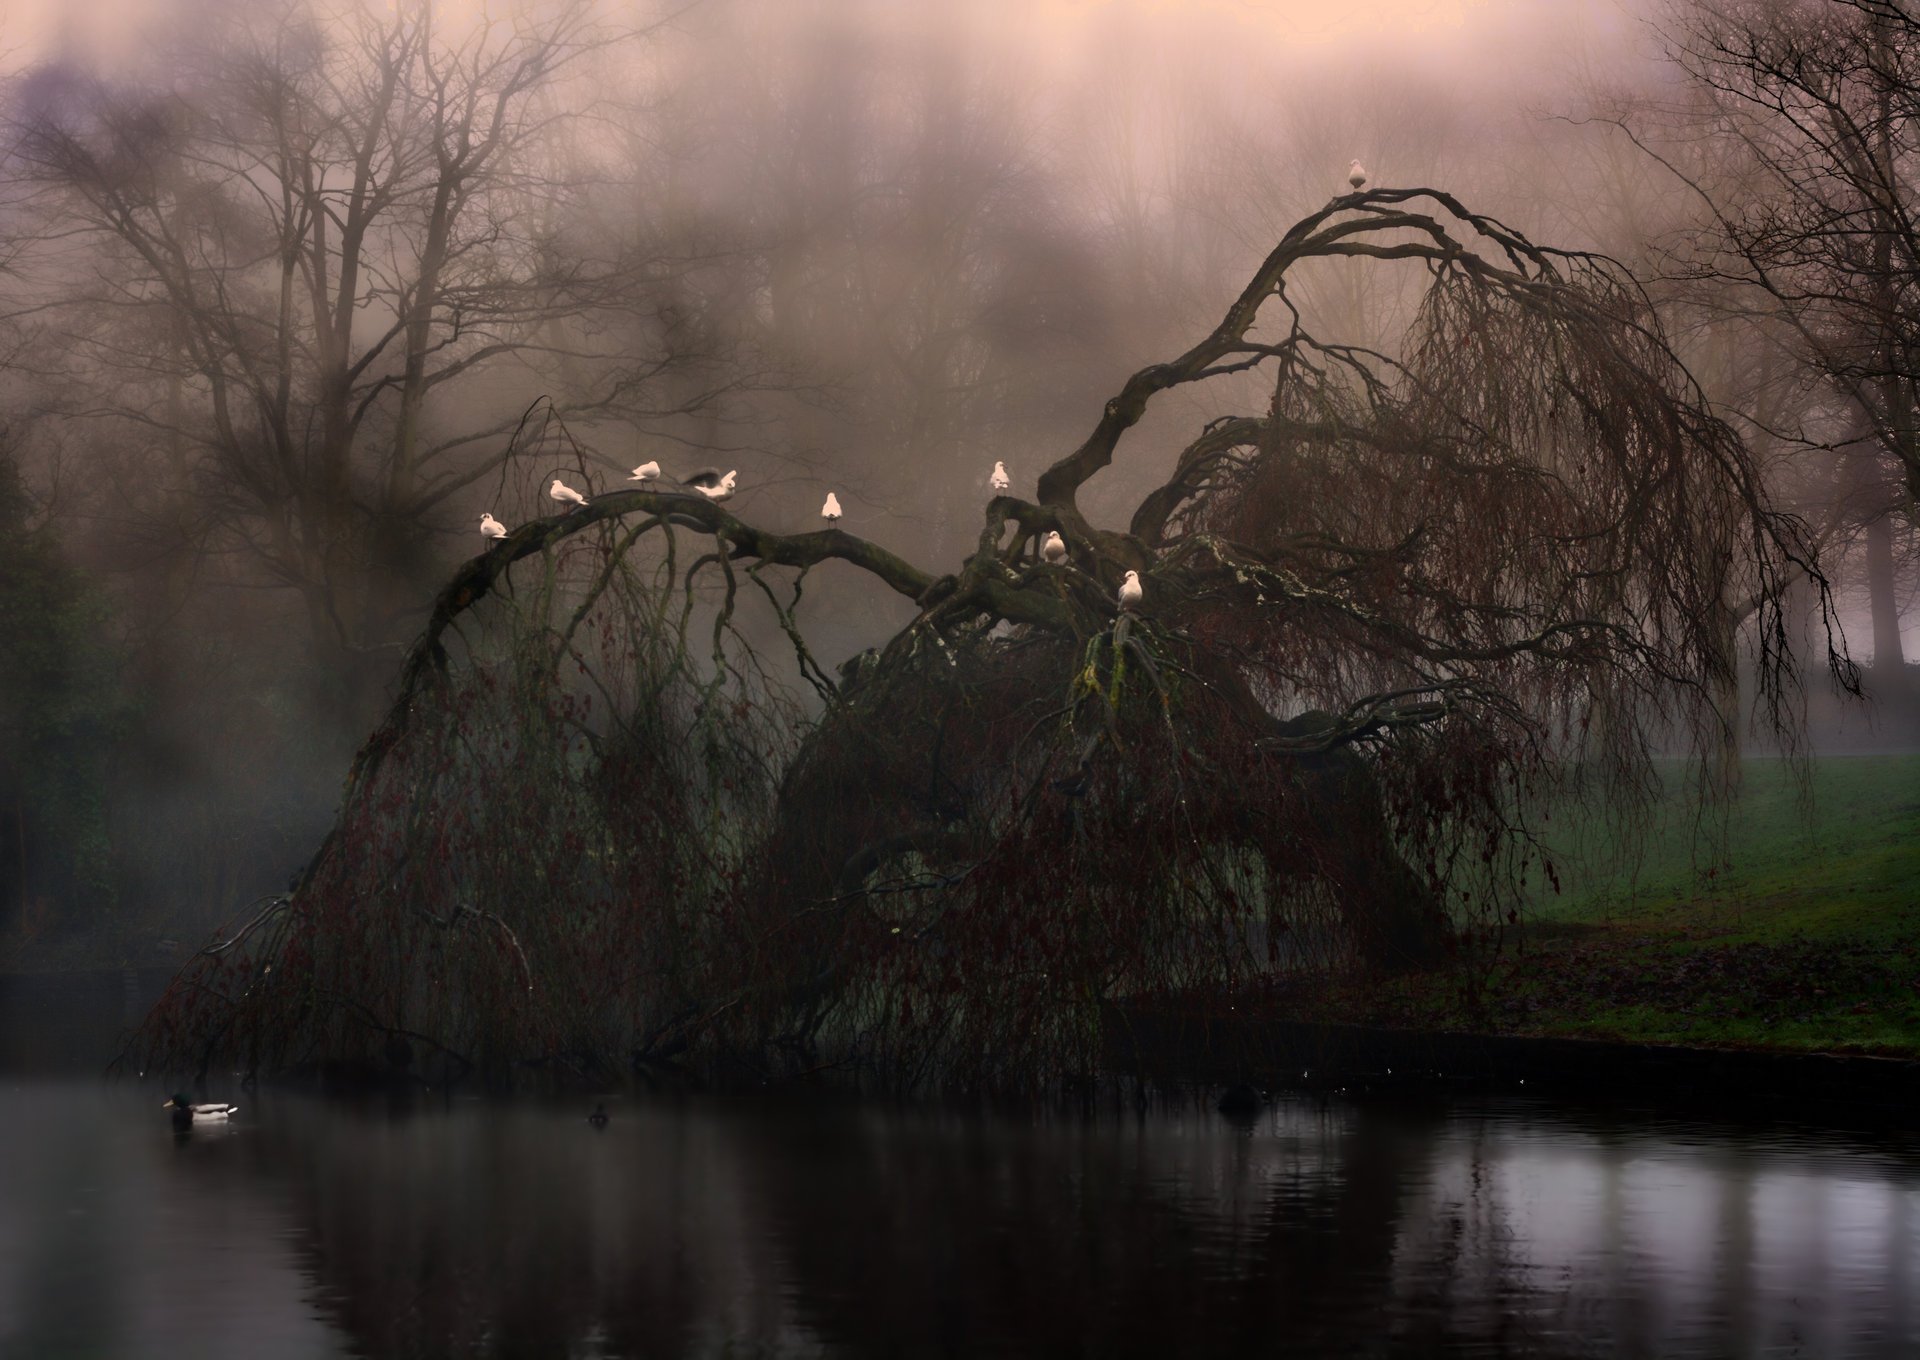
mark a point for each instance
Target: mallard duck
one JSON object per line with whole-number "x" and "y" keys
{"x": 186, "y": 1113}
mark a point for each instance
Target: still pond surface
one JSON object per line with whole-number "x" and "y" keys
{"x": 725, "y": 1226}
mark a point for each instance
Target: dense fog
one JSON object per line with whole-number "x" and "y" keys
{"x": 291, "y": 294}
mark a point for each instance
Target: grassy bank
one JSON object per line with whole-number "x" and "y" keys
{"x": 1806, "y": 936}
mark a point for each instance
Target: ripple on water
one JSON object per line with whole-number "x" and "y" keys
{"x": 710, "y": 1227}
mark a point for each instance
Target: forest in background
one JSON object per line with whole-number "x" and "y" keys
{"x": 288, "y": 307}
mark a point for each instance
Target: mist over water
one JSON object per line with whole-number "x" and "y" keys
{"x": 709, "y": 1227}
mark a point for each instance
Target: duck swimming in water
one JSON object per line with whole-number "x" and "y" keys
{"x": 186, "y": 1114}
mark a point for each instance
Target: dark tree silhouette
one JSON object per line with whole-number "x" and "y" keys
{"x": 1813, "y": 110}
{"x": 1386, "y": 613}
{"x": 314, "y": 258}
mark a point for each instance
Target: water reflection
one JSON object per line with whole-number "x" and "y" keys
{"x": 718, "y": 1227}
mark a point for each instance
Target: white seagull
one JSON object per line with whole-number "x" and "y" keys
{"x": 1357, "y": 176}
{"x": 491, "y": 528}
{"x": 1054, "y": 547}
{"x": 646, "y": 472}
{"x": 566, "y": 495}
{"x": 709, "y": 483}
{"x": 1130, "y": 591}
{"x": 1000, "y": 481}
{"x": 831, "y": 510}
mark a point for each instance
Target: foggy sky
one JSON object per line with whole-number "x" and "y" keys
{"x": 1493, "y": 46}
{"x": 1466, "y": 94}
{"x": 924, "y": 235}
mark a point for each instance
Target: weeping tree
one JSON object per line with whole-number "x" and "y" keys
{"x": 1397, "y": 605}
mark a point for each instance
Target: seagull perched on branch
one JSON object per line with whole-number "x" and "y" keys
{"x": 709, "y": 483}
{"x": 491, "y": 528}
{"x": 1130, "y": 592}
{"x": 1000, "y": 481}
{"x": 566, "y": 495}
{"x": 1054, "y": 547}
{"x": 831, "y": 510}
{"x": 646, "y": 472}
{"x": 1357, "y": 176}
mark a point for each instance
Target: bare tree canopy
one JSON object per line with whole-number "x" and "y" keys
{"x": 1814, "y": 212}
{"x": 302, "y": 268}
{"x": 1386, "y": 610}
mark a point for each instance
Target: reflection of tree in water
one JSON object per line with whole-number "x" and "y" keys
{"x": 880, "y": 1233}
{"x": 1131, "y": 1239}
{"x": 793, "y": 1228}
{"x": 522, "y": 1236}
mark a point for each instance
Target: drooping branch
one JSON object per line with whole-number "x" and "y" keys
{"x": 1420, "y": 590}
{"x": 1529, "y": 275}
{"x": 1196, "y": 463}
{"x": 475, "y": 580}
{"x": 688, "y": 509}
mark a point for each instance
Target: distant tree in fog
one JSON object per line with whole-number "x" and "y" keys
{"x": 1803, "y": 134}
{"x": 61, "y": 716}
{"x": 321, "y": 274}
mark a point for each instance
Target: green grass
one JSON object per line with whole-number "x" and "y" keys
{"x": 1798, "y": 929}
{"x": 1847, "y": 862}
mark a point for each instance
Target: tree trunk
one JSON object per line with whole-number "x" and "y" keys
{"x": 1889, "y": 659}
{"x": 1398, "y": 921}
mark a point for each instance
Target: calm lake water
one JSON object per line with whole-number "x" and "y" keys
{"x": 724, "y": 1226}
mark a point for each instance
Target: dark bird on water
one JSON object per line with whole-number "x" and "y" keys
{"x": 599, "y": 1116}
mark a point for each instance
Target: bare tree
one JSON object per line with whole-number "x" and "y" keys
{"x": 1815, "y": 106}
{"x": 325, "y": 268}
{"x": 1383, "y": 615}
